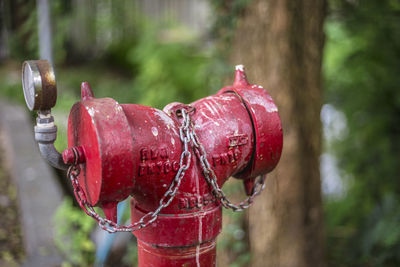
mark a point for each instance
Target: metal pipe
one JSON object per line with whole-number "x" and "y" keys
{"x": 45, "y": 136}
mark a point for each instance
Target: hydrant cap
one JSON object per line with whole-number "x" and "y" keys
{"x": 267, "y": 128}
{"x": 98, "y": 125}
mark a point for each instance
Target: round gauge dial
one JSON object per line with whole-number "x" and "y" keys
{"x": 29, "y": 73}
{"x": 38, "y": 83}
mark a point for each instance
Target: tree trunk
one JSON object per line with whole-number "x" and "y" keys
{"x": 281, "y": 42}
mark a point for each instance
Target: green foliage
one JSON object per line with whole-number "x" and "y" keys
{"x": 168, "y": 70}
{"x": 10, "y": 82}
{"x": 362, "y": 78}
{"x": 61, "y": 26}
{"x": 72, "y": 236}
{"x": 131, "y": 255}
{"x": 228, "y": 14}
{"x": 233, "y": 239}
{"x": 24, "y": 42}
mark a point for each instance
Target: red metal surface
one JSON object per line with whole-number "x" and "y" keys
{"x": 192, "y": 256}
{"x": 133, "y": 150}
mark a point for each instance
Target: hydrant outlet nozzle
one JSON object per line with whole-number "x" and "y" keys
{"x": 74, "y": 155}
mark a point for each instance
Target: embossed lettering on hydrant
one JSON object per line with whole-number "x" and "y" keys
{"x": 237, "y": 140}
{"x": 156, "y": 161}
{"x": 195, "y": 201}
{"x": 153, "y": 153}
{"x": 226, "y": 158}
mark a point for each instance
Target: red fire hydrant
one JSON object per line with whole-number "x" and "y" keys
{"x": 173, "y": 164}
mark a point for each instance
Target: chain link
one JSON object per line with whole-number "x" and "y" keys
{"x": 187, "y": 135}
{"x": 211, "y": 178}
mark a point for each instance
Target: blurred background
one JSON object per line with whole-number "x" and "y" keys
{"x": 333, "y": 68}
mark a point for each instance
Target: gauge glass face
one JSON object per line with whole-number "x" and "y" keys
{"x": 29, "y": 86}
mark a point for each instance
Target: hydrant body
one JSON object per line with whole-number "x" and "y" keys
{"x": 133, "y": 150}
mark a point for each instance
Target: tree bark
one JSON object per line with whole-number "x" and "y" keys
{"x": 281, "y": 42}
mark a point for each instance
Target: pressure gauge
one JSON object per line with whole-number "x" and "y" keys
{"x": 39, "y": 84}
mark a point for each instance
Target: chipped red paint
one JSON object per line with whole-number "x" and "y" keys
{"x": 133, "y": 150}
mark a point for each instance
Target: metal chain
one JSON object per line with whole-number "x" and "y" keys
{"x": 187, "y": 134}
{"x": 211, "y": 178}
{"x": 148, "y": 218}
